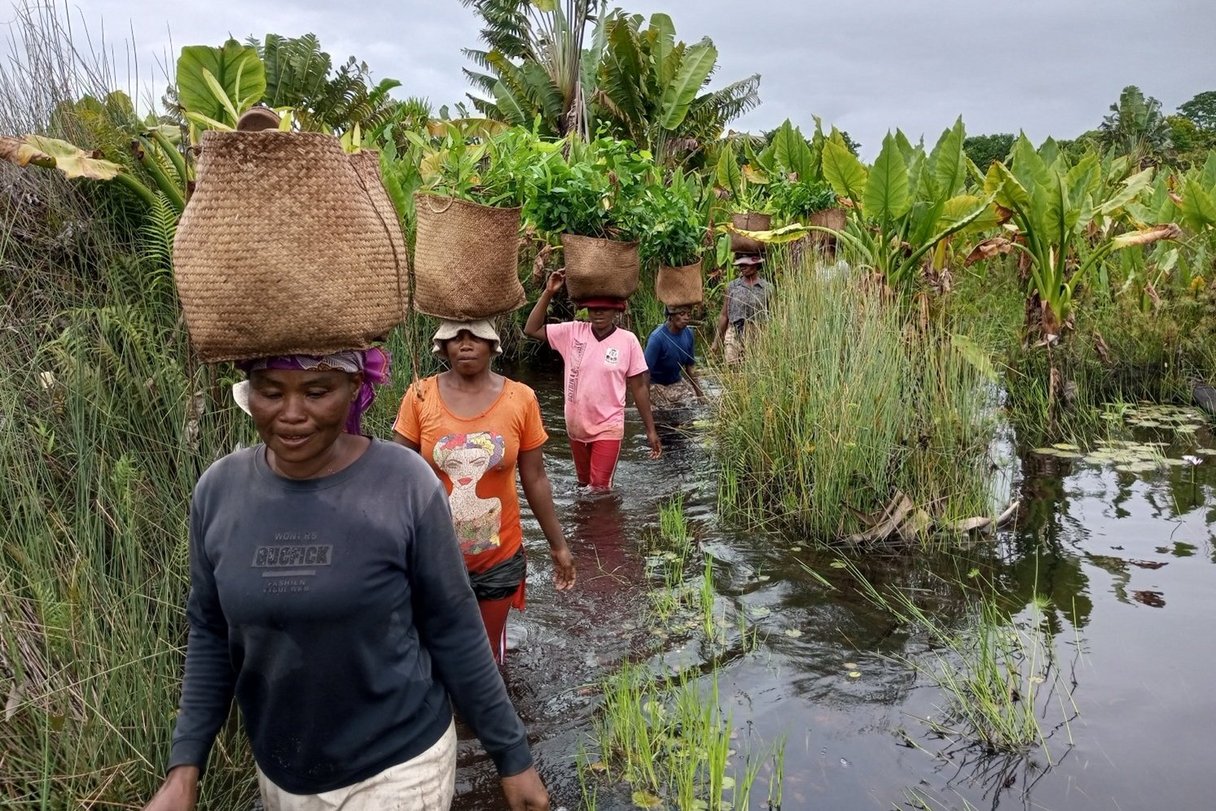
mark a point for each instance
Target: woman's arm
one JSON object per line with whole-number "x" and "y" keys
{"x": 639, "y": 387}
{"x": 720, "y": 327}
{"x": 539, "y": 493}
{"x": 535, "y": 325}
{"x": 179, "y": 792}
{"x": 690, "y": 371}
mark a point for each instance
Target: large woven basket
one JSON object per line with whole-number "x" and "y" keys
{"x": 834, "y": 218}
{"x": 679, "y": 287}
{"x": 596, "y": 268}
{"x": 749, "y": 221}
{"x": 466, "y": 259}
{"x": 285, "y": 248}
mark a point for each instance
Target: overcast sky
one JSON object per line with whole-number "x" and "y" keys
{"x": 1048, "y": 67}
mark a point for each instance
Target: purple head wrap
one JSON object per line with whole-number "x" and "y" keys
{"x": 372, "y": 363}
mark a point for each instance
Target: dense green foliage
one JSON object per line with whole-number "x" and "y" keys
{"x": 1066, "y": 275}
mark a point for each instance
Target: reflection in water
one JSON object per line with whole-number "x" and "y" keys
{"x": 1088, "y": 539}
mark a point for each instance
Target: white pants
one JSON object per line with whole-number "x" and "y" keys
{"x": 423, "y": 783}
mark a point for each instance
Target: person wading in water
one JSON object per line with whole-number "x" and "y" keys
{"x": 601, "y": 362}
{"x": 744, "y": 308}
{"x": 474, "y": 428}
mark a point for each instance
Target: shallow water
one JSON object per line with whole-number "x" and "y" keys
{"x": 1124, "y": 558}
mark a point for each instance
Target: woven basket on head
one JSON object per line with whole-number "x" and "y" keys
{"x": 749, "y": 221}
{"x": 833, "y": 218}
{"x": 679, "y": 287}
{"x": 466, "y": 259}
{"x": 598, "y": 268}
{"x": 284, "y": 249}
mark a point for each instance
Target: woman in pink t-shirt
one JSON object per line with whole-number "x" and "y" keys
{"x": 601, "y": 362}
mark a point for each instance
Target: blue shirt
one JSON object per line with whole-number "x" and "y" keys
{"x": 667, "y": 352}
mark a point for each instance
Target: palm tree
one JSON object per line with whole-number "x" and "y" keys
{"x": 1136, "y": 128}
{"x": 649, "y": 89}
{"x": 301, "y": 76}
{"x": 534, "y": 65}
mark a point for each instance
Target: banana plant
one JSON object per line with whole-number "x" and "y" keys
{"x": 74, "y": 163}
{"x": 1052, "y": 208}
{"x": 906, "y": 205}
{"x": 216, "y": 85}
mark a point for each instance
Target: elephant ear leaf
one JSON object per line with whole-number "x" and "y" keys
{"x": 843, "y": 171}
{"x": 220, "y": 83}
{"x": 70, "y": 159}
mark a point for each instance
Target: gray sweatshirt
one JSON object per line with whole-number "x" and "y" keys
{"x": 339, "y": 613}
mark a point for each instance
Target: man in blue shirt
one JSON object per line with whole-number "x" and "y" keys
{"x": 669, "y": 351}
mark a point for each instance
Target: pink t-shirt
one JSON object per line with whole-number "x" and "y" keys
{"x": 595, "y": 378}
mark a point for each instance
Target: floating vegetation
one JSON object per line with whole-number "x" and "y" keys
{"x": 1179, "y": 419}
{"x": 1172, "y": 424}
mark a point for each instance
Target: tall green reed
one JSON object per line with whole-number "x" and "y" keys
{"x": 842, "y": 402}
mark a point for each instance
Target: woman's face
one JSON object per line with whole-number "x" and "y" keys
{"x": 465, "y": 466}
{"x": 601, "y": 319}
{"x": 467, "y": 354}
{"x": 680, "y": 319}
{"x": 300, "y": 414}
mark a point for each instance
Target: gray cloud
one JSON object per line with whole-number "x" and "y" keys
{"x": 1049, "y": 67}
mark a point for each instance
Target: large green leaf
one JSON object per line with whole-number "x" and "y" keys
{"x": 235, "y": 69}
{"x": 698, "y": 63}
{"x": 509, "y": 105}
{"x": 791, "y": 152}
{"x": 843, "y": 171}
{"x": 664, "y": 44}
{"x": 1198, "y": 206}
{"x": 727, "y": 172}
{"x": 949, "y": 169}
{"x": 1132, "y": 188}
{"x": 1208, "y": 175}
{"x": 621, "y": 74}
{"x": 886, "y": 196}
{"x": 71, "y": 160}
{"x": 1009, "y": 191}
{"x": 1027, "y": 166}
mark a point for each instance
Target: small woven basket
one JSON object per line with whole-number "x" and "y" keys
{"x": 598, "y": 267}
{"x": 749, "y": 221}
{"x": 466, "y": 259}
{"x": 286, "y": 248}
{"x": 679, "y": 287}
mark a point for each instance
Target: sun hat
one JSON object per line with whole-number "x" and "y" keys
{"x": 481, "y": 328}
{"x": 749, "y": 259}
{"x": 603, "y": 303}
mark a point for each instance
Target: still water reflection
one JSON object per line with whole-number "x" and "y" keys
{"x": 1125, "y": 561}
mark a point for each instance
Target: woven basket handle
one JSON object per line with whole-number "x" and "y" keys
{"x": 434, "y": 210}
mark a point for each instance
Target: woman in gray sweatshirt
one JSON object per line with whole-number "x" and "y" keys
{"x": 329, "y": 597}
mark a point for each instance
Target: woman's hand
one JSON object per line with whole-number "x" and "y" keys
{"x": 563, "y": 568}
{"x": 525, "y": 791}
{"x": 179, "y": 792}
{"x": 656, "y": 447}
{"x": 555, "y": 281}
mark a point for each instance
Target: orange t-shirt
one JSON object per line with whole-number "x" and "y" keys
{"x": 475, "y": 459}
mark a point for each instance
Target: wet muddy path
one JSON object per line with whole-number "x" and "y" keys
{"x": 1126, "y": 559}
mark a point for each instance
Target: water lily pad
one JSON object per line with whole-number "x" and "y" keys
{"x": 1065, "y": 446}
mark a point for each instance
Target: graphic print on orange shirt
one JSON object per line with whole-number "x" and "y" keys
{"x": 465, "y": 458}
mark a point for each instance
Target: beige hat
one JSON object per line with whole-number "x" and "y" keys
{"x": 448, "y": 330}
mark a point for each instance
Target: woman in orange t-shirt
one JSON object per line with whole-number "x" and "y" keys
{"x": 475, "y": 427}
